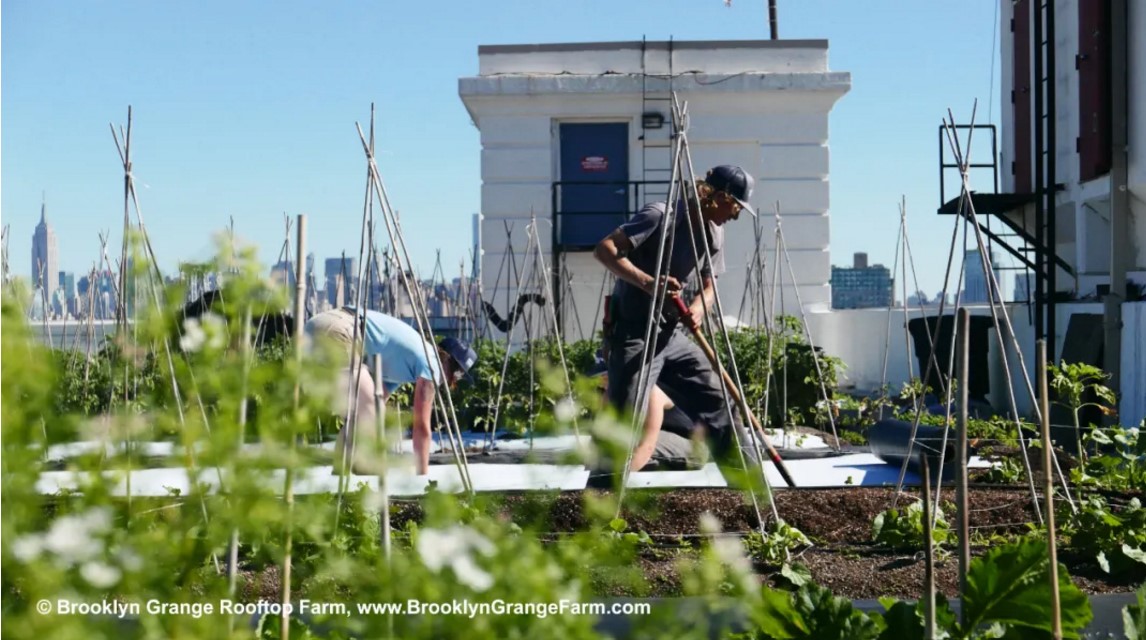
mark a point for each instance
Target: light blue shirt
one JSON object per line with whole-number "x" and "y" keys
{"x": 402, "y": 349}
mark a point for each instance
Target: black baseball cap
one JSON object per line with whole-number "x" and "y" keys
{"x": 734, "y": 181}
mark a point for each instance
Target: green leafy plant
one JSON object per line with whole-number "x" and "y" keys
{"x": 810, "y": 612}
{"x": 1008, "y": 595}
{"x": 903, "y": 528}
{"x": 618, "y": 529}
{"x": 1073, "y": 384}
{"x": 1122, "y": 468}
{"x": 1134, "y": 617}
{"x": 1008, "y": 470}
{"x": 1008, "y": 586}
{"x": 776, "y": 547}
{"x": 788, "y": 370}
{"x": 1116, "y": 540}
{"x": 914, "y": 392}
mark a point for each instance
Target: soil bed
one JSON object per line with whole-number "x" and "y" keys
{"x": 838, "y": 521}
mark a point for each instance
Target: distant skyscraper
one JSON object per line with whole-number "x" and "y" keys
{"x": 975, "y": 281}
{"x": 45, "y": 256}
{"x": 68, "y": 291}
{"x": 283, "y": 273}
{"x": 861, "y": 286}
{"x": 67, "y": 282}
{"x": 335, "y": 268}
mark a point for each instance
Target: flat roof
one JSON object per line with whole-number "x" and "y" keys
{"x": 659, "y": 44}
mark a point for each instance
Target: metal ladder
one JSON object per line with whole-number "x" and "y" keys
{"x": 1043, "y": 28}
{"x": 656, "y": 147}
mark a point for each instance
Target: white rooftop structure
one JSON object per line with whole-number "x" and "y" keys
{"x": 555, "y": 115}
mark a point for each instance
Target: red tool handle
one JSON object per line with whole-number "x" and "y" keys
{"x": 685, "y": 316}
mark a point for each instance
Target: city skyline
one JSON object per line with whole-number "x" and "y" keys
{"x": 60, "y": 294}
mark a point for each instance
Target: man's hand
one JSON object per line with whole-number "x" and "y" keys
{"x": 674, "y": 286}
{"x": 696, "y": 314}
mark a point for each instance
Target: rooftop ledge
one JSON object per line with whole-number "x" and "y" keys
{"x": 656, "y": 58}
{"x": 838, "y": 82}
{"x": 660, "y": 45}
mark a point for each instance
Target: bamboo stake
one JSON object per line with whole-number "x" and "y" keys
{"x": 716, "y": 327}
{"x": 963, "y": 516}
{"x": 547, "y": 280}
{"x": 993, "y": 289}
{"x": 443, "y": 400}
{"x": 233, "y": 554}
{"x": 929, "y": 553}
{"x": 1048, "y": 486}
{"x": 299, "y": 305}
{"x": 381, "y": 439}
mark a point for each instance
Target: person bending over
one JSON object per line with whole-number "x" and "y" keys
{"x": 406, "y": 358}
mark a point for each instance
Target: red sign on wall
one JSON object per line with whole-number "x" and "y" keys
{"x": 594, "y": 163}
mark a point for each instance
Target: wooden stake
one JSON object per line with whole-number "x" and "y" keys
{"x": 299, "y": 307}
{"x": 961, "y": 498}
{"x": 1048, "y": 485}
{"x": 383, "y": 444}
{"x": 233, "y": 554}
{"x": 929, "y": 552}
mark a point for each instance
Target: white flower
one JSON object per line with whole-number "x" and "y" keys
{"x": 480, "y": 543}
{"x": 565, "y": 410}
{"x": 216, "y": 329}
{"x": 730, "y": 551}
{"x": 27, "y": 548}
{"x": 74, "y": 538}
{"x": 193, "y": 336}
{"x": 70, "y": 541}
{"x": 709, "y": 524}
{"x": 100, "y": 575}
{"x": 451, "y": 548}
{"x": 468, "y": 573}
{"x": 97, "y": 520}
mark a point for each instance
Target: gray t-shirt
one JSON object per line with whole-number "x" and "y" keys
{"x": 643, "y": 230}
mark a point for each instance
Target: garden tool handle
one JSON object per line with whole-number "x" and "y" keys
{"x": 685, "y": 314}
{"x": 686, "y": 318}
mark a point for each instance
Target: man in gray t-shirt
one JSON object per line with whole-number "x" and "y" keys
{"x": 679, "y": 367}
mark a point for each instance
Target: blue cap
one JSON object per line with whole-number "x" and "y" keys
{"x": 600, "y": 367}
{"x": 461, "y": 352}
{"x": 734, "y": 181}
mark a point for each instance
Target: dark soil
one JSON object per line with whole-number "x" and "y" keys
{"x": 838, "y": 521}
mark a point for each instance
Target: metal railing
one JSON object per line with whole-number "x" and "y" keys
{"x": 580, "y": 230}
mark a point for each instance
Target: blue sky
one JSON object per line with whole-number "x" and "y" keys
{"x": 247, "y": 109}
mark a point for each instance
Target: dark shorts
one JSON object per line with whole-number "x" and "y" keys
{"x": 683, "y": 372}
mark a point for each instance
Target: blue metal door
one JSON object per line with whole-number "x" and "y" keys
{"x": 594, "y": 190}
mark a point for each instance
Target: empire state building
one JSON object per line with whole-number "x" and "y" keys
{"x": 45, "y": 256}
